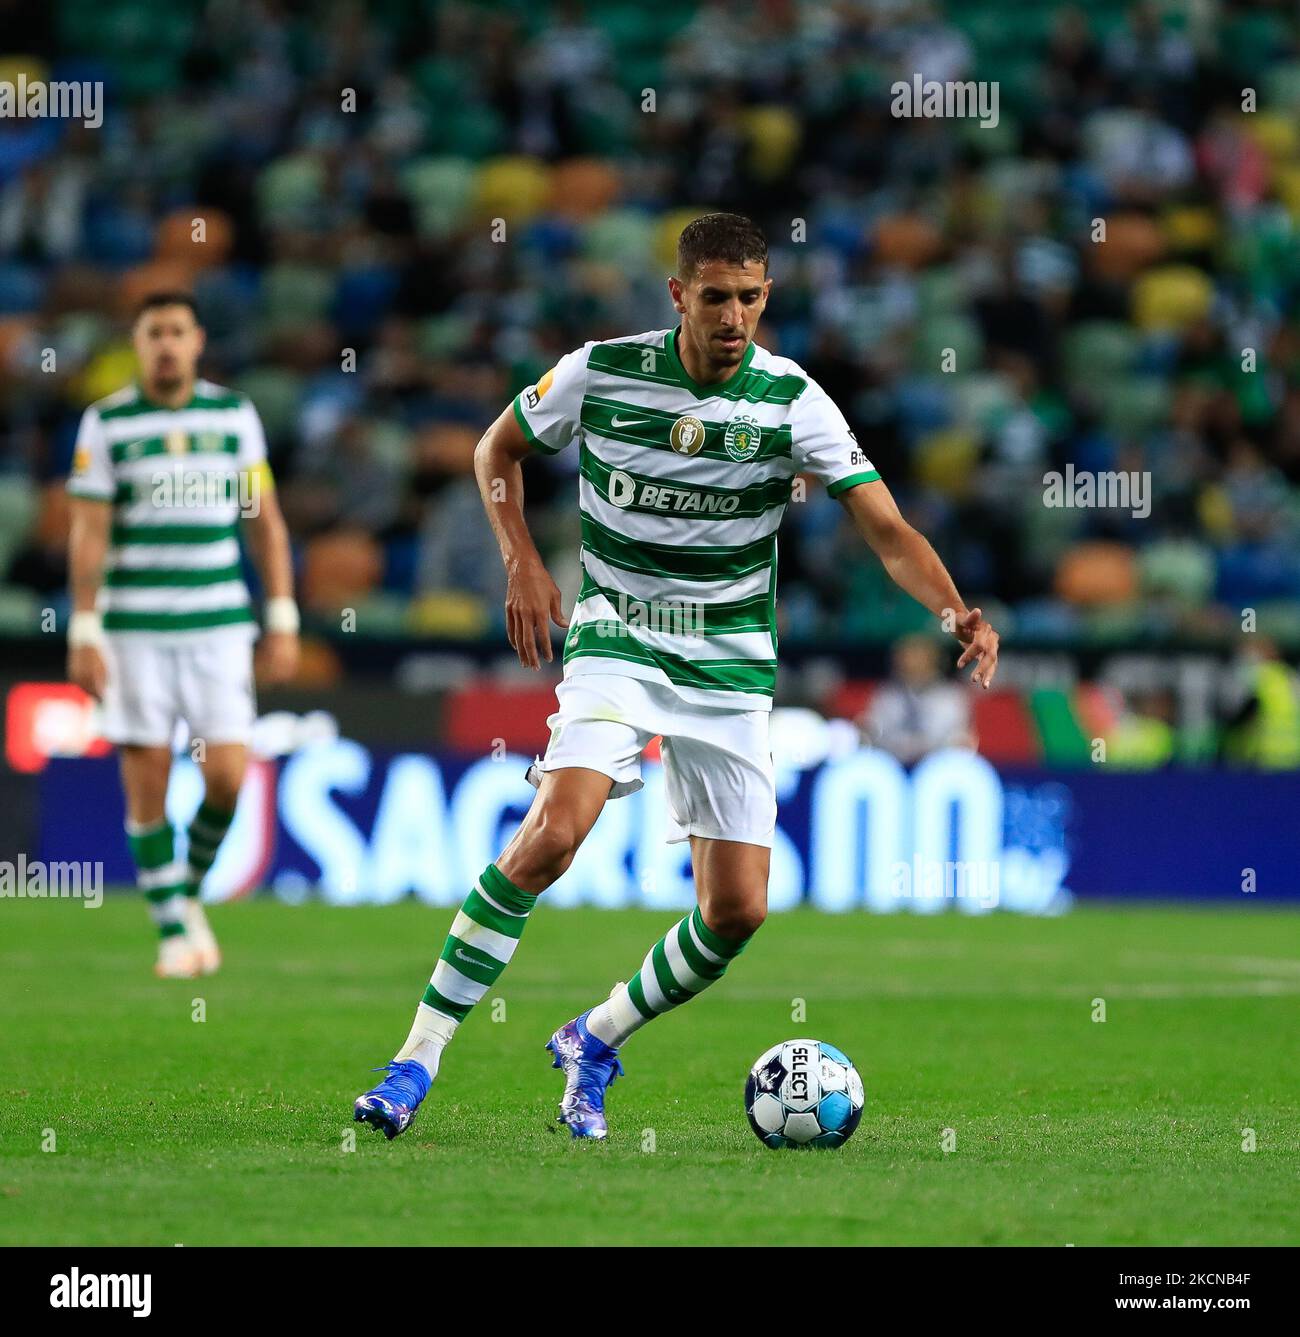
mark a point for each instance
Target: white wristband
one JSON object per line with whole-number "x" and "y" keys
{"x": 85, "y": 628}
{"x": 281, "y": 615}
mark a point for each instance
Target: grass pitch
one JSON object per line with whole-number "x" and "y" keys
{"x": 236, "y": 1128}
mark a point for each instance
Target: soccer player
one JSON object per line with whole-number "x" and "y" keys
{"x": 161, "y": 628}
{"x": 689, "y": 440}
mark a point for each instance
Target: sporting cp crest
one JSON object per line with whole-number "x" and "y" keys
{"x": 687, "y": 436}
{"x": 177, "y": 442}
{"x": 742, "y": 437}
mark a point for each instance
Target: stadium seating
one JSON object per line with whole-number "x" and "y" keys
{"x": 941, "y": 279}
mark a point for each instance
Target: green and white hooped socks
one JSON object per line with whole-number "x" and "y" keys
{"x": 482, "y": 940}
{"x": 683, "y": 963}
{"x": 158, "y": 875}
{"x": 207, "y": 831}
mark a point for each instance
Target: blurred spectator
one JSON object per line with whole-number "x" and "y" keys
{"x": 1143, "y": 737}
{"x": 917, "y": 711}
{"x": 1262, "y": 726}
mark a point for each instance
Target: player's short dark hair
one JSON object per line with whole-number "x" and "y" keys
{"x": 164, "y": 298}
{"x": 731, "y": 238}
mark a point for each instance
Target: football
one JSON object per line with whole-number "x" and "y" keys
{"x": 803, "y": 1093}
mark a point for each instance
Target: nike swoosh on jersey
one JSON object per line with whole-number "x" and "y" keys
{"x": 629, "y": 422}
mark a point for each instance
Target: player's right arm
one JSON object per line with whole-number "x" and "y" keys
{"x": 543, "y": 418}
{"x": 532, "y": 597}
{"x": 90, "y": 492}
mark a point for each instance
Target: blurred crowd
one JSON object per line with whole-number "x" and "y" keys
{"x": 395, "y": 214}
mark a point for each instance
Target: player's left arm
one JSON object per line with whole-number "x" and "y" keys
{"x": 268, "y": 541}
{"x": 915, "y": 567}
{"x": 823, "y": 444}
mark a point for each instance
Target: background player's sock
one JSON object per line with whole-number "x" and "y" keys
{"x": 684, "y": 962}
{"x": 207, "y": 831}
{"x": 158, "y": 875}
{"x": 482, "y": 940}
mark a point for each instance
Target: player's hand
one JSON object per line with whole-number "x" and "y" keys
{"x": 87, "y": 669}
{"x": 279, "y": 655}
{"x": 532, "y": 604}
{"x": 981, "y": 643}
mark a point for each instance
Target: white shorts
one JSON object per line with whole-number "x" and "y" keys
{"x": 205, "y": 680}
{"x": 718, "y": 775}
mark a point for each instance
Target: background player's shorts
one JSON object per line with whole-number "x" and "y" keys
{"x": 205, "y": 680}
{"x": 717, "y": 763}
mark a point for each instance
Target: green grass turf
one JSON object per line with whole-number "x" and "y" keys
{"x": 1068, "y": 1131}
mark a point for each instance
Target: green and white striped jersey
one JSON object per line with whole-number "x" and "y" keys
{"x": 682, "y": 487}
{"x": 178, "y": 480}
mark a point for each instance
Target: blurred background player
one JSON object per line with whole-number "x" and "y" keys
{"x": 162, "y": 627}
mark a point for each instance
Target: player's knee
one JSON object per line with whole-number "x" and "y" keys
{"x": 223, "y": 777}
{"x": 739, "y": 921}
{"x": 551, "y": 846}
{"x": 221, "y": 790}
{"x": 146, "y": 794}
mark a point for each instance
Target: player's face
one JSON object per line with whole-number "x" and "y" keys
{"x": 720, "y": 306}
{"x": 168, "y": 342}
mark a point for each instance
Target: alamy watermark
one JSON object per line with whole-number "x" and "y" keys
{"x": 674, "y": 617}
{"x": 206, "y": 488}
{"x": 35, "y": 99}
{"x": 76, "y": 1289}
{"x": 955, "y": 99}
{"x": 976, "y": 880}
{"x": 37, "y": 880}
{"x": 1108, "y": 490}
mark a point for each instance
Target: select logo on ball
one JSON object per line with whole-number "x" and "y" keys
{"x": 804, "y": 1093}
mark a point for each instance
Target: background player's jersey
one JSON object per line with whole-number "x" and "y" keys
{"x": 178, "y": 480}
{"x": 682, "y": 488}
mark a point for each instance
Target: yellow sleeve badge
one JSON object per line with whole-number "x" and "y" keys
{"x": 260, "y": 476}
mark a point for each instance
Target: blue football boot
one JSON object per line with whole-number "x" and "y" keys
{"x": 589, "y": 1066}
{"x": 392, "y": 1104}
